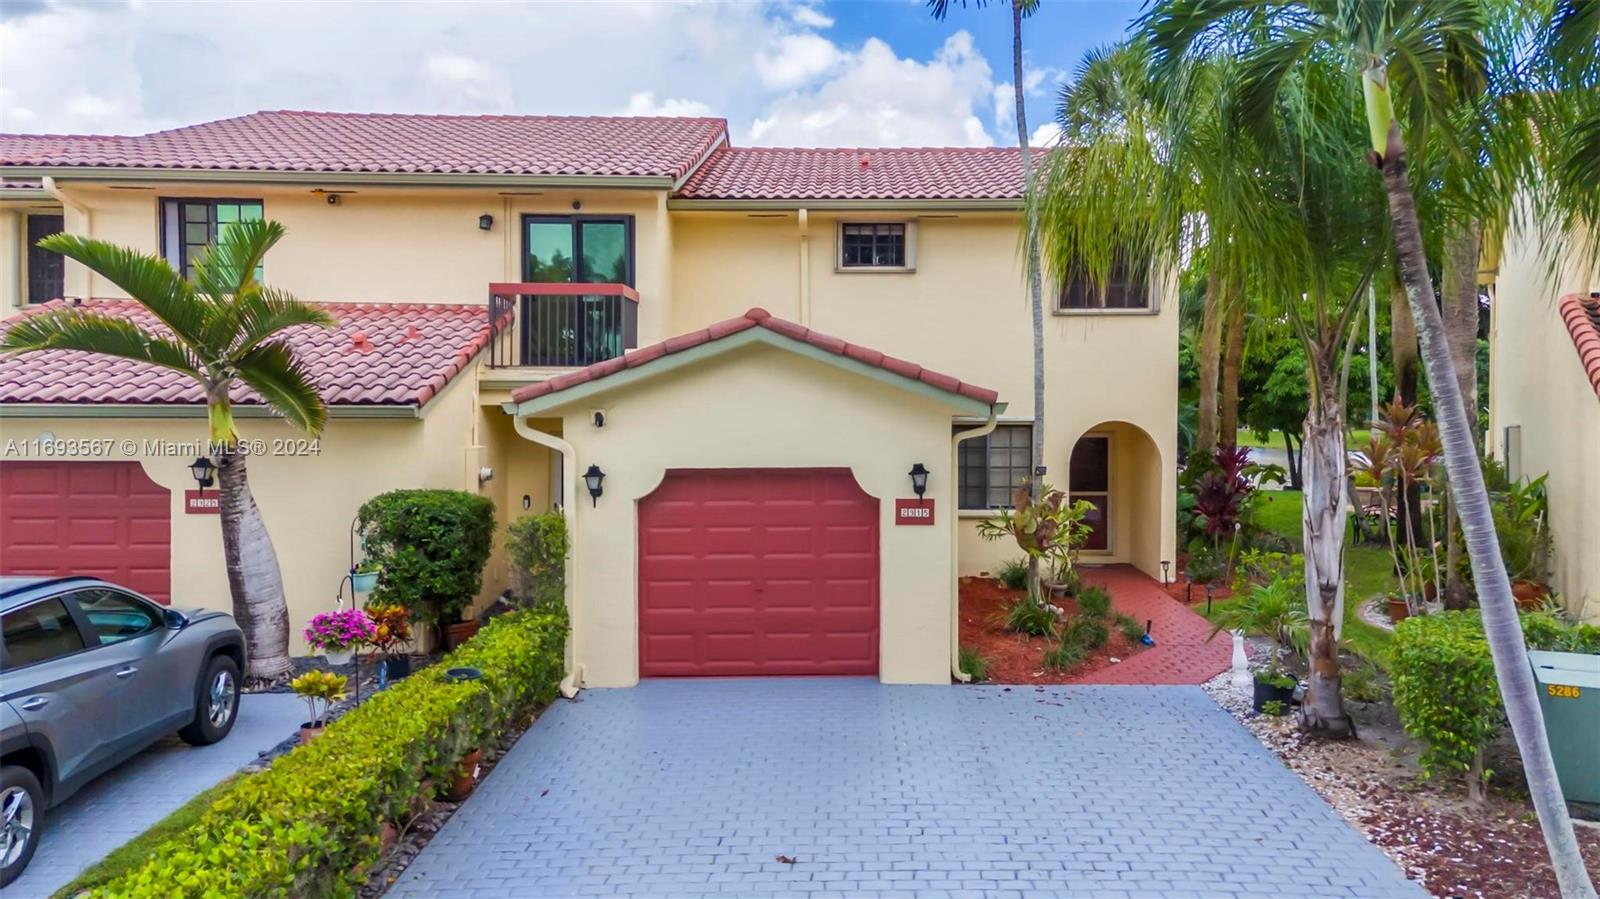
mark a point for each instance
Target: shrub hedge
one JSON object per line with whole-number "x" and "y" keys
{"x": 432, "y": 545}
{"x": 309, "y": 824}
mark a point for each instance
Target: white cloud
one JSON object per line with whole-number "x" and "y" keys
{"x": 645, "y": 103}
{"x": 810, "y": 17}
{"x": 799, "y": 58}
{"x": 875, "y": 98}
{"x": 465, "y": 84}
{"x": 1046, "y": 135}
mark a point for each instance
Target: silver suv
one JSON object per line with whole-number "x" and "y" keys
{"x": 90, "y": 674}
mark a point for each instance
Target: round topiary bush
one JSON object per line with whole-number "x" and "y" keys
{"x": 1446, "y": 692}
{"x": 432, "y": 545}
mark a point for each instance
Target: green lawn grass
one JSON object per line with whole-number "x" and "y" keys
{"x": 137, "y": 851}
{"x": 1366, "y": 570}
{"x": 1274, "y": 440}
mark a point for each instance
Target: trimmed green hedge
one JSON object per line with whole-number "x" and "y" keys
{"x": 309, "y": 825}
{"x": 432, "y": 545}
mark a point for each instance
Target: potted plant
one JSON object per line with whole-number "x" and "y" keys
{"x": 391, "y": 631}
{"x": 320, "y": 690}
{"x": 433, "y": 545}
{"x": 1399, "y": 607}
{"x": 338, "y": 634}
{"x": 1273, "y": 610}
{"x": 465, "y": 777}
{"x": 364, "y": 577}
{"x": 459, "y": 632}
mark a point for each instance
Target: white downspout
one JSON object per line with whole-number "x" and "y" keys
{"x": 573, "y": 682}
{"x": 982, "y": 430}
{"x": 54, "y": 190}
{"x": 803, "y": 302}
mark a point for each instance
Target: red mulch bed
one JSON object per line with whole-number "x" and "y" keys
{"x": 1018, "y": 658}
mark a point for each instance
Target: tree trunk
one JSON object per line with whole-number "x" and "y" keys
{"x": 1295, "y": 481}
{"x": 1322, "y": 460}
{"x": 1035, "y": 276}
{"x": 253, "y": 576}
{"x": 1232, "y": 357}
{"x": 1402, "y": 347}
{"x": 1205, "y": 435}
{"x": 1460, "y": 284}
{"x": 1499, "y": 612}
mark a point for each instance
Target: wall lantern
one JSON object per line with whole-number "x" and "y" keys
{"x": 592, "y": 479}
{"x": 919, "y": 480}
{"x": 485, "y": 222}
{"x": 201, "y": 469}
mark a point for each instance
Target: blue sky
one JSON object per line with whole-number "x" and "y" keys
{"x": 783, "y": 72}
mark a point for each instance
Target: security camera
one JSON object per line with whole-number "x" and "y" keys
{"x": 485, "y": 474}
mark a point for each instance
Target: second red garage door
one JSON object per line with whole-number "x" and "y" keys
{"x": 758, "y": 572}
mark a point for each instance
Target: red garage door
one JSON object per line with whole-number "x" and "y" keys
{"x": 757, "y": 572}
{"x": 104, "y": 519}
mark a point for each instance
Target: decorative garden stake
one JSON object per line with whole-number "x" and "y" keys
{"x": 1209, "y": 588}
{"x": 1241, "y": 666}
{"x": 1165, "y": 564}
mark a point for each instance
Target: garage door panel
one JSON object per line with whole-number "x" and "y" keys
{"x": 104, "y": 519}
{"x": 760, "y": 571}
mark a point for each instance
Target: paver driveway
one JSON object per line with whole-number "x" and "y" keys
{"x": 694, "y": 787}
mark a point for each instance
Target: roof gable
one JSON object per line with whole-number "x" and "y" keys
{"x": 1582, "y": 318}
{"x": 756, "y": 325}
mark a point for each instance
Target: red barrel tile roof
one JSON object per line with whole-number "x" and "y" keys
{"x": 755, "y": 318}
{"x": 1582, "y": 318}
{"x": 771, "y": 173}
{"x": 379, "y": 354}
{"x": 291, "y": 141}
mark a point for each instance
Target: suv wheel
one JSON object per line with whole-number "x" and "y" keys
{"x": 21, "y": 818}
{"x": 216, "y": 702}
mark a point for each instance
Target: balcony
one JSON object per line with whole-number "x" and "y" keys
{"x": 561, "y": 325}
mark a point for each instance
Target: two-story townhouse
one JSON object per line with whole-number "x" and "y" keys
{"x": 724, "y": 363}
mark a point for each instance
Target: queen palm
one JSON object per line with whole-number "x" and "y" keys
{"x": 1416, "y": 66}
{"x": 220, "y": 327}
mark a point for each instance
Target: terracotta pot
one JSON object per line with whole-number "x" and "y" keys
{"x": 466, "y": 777}
{"x": 1398, "y": 610}
{"x": 309, "y": 733}
{"x": 459, "y": 633}
{"x": 1529, "y": 594}
{"x": 388, "y": 835}
{"x": 1430, "y": 591}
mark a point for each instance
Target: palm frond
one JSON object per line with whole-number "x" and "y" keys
{"x": 266, "y": 311}
{"x": 89, "y": 332}
{"x": 228, "y": 267}
{"x": 273, "y": 372}
{"x": 146, "y": 278}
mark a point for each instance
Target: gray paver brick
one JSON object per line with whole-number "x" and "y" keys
{"x": 691, "y": 788}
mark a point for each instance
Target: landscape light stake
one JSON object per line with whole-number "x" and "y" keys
{"x": 1208, "y": 598}
{"x": 1188, "y": 588}
{"x": 1164, "y": 566}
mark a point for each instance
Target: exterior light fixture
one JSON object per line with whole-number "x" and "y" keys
{"x": 201, "y": 469}
{"x": 919, "y": 479}
{"x": 1165, "y": 564}
{"x": 1188, "y": 587}
{"x": 592, "y": 479}
{"x": 1209, "y": 588}
{"x": 485, "y": 222}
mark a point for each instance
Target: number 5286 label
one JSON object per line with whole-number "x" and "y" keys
{"x": 1563, "y": 691}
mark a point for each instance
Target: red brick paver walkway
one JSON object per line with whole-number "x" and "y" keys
{"x": 1185, "y": 652}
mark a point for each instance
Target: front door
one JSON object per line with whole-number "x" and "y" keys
{"x": 1090, "y": 479}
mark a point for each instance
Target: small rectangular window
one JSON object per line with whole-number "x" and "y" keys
{"x": 1126, "y": 288}
{"x": 39, "y": 632}
{"x": 875, "y": 245}
{"x": 46, "y": 273}
{"x": 993, "y": 467}
{"x": 188, "y": 226}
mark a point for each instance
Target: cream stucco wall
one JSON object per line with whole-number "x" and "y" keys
{"x": 762, "y": 407}
{"x": 963, "y": 311}
{"x": 1537, "y": 385}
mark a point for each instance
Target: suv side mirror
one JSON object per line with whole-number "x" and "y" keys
{"x": 174, "y": 619}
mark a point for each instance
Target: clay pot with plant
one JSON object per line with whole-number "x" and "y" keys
{"x": 391, "y": 634}
{"x": 1274, "y": 610}
{"x": 320, "y": 690}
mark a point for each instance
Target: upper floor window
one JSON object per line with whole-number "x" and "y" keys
{"x": 190, "y": 225}
{"x": 586, "y": 249}
{"x": 993, "y": 467}
{"x": 877, "y": 245}
{"x": 1126, "y": 288}
{"x": 46, "y": 274}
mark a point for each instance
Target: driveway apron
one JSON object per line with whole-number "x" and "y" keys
{"x": 847, "y": 787}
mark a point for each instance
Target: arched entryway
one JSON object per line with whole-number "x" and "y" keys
{"x": 1116, "y": 467}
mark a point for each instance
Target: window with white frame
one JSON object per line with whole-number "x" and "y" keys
{"x": 993, "y": 467}
{"x": 881, "y": 246}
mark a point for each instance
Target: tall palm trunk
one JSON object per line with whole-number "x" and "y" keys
{"x": 1035, "y": 276}
{"x": 1471, "y": 498}
{"x": 253, "y": 575}
{"x": 1205, "y": 435}
{"x": 1322, "y": 462}
{"x": 1402, "y": 346}
{"x": 1232, "y": 358}
{"x": 1460, "y": 285}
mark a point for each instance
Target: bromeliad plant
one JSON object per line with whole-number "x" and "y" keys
{"x": 339, "y": 631}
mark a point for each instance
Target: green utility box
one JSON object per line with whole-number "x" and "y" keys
{"x": 1569, "y": 695}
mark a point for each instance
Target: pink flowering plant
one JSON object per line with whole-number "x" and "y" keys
{"x": 340, "y": 630}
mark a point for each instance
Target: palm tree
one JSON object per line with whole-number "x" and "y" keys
{"x": 218, "y": 328}
{"x": 1021, "y": 9}
{"x": 1430, "y": 57}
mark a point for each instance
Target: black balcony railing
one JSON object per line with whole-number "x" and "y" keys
{"x": 557, "y": 325}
